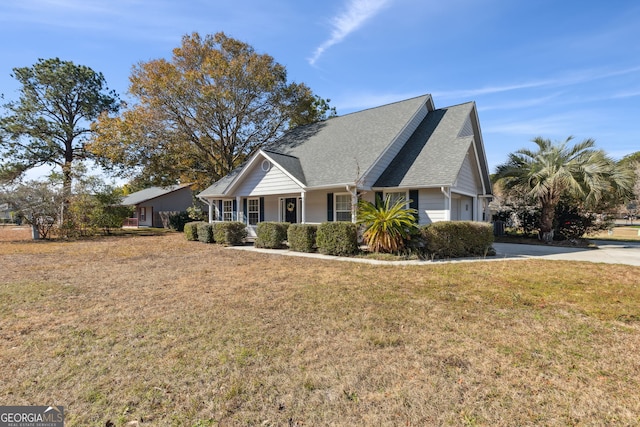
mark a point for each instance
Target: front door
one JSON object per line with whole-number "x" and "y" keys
{"x": 291, "y": 210}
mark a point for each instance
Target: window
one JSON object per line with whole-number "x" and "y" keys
{"x": 395, "y": 196}
{"x": 227, "y": 210}
{"x": 253, "y": 211}
{"x": 343, "y": 207}
{"x": 143, "y": 214}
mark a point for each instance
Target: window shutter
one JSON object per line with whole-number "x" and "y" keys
{"x": 413, "y": 195}
{"x": 244, "y": 210}
{"x": 220, "y": 216}
{"x": 330, "y": 207}
{"x": 261, "y": 209}
{"x": 379, "y": 196}
{"x": 234, "y": 215}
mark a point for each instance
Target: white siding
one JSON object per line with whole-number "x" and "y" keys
{"x": 271, "y": 206}
{"x": 316, "y": 204}
{"x": 431, "y": 204}
{"x": 385, "y": 160}
{"x": 461, "y": 208}
{"x": 260, "y": 183}
{"x": 468, "y": 180}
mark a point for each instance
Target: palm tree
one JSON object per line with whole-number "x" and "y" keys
{"x": 387, "y": 225}
{"x": 555, "y": 169}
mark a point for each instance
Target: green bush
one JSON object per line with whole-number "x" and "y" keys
{"x": 455, "y": 239}
{"x": 337, "y": 238}
{"x": 229, "y": 233}
{"x": 177, "y": 220}
{"x": 571, "y": 222}
{"x": 205, "y": 232}
{"x": 302, "y": 237}
{"x": 271, "y": 235}
{"x": 191, "y": 230}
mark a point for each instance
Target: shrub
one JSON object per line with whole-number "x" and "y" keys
{"x": 337, "y": 238}
{"x": 572, "y": 223}
{"x": 205, "y": 232}
{"x": 271, "y": 235}
{"x": 302, "y": 237}
{"x": 455, "y": 239}
{"x": 191, "y": 230}
{"x": 177, "y": 220}
{"x": 229, "y": 233}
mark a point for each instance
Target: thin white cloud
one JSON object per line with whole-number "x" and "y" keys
{"x": 574, "y": 78}
{"x": 626, "y": 94}
{"x": 356, "y": 14}
{"x": 520, "y": 103}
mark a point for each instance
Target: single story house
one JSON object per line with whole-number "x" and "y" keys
{"x": 433, "y": 157}
{"x": 148, "y": 204}
{"x": 7, "y": 212}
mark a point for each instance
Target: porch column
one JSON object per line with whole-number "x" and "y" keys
{"x": 211, "y": 209}
{"x": 239, "y": 211}
{"x": 354, "y": 203}
{"x": 447, "y": 202}
{"x": 303, "y": 213}
{"x": 475, "y": 208}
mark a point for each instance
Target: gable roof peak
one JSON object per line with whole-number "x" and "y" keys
{"x": 426, "y": 96}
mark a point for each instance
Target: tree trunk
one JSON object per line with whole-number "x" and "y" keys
{"x": 546, "y": 222}
{"x": 66, "y": 191}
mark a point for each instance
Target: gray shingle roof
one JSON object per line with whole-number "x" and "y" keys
{"x": 289, "y": 163}
{"x": 433, "y": 155}
{"x": 332, "y": 152}
{"x": 150, "y": 193}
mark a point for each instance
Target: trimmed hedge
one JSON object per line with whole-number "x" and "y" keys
{"x": 271, "y": 235}
{"x": 205, "y": 232}
{"x": 337, "y": 238}
{"x": 191, "y": 230}
{"x": 456, "y": 239}
{"x": 302, "y": 237}
{"x": 230, "y": 233}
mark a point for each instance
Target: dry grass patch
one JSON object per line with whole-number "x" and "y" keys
{"x": 168, "y": 332}
{"x": 619, "y": 233}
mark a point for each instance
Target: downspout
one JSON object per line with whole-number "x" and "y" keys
{"x": 447, "y": 205}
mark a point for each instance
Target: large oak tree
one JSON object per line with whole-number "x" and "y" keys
{"x": 51, "y": 121}
{"x": 200, "y": 114}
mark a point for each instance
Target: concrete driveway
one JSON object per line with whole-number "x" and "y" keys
{"x": 609, "y": 252}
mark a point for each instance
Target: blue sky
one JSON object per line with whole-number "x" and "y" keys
{"x": 537, "y": 68}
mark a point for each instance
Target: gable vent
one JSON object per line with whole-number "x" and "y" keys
{"x": 467, "y": 129}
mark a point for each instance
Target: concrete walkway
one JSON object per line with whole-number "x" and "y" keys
{"x": 610, "y": 252}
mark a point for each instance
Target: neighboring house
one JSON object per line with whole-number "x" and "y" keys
{"x": 7, "y": 213}
{"x": 315, "y": 173}
{"x": 148, "y": 203}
